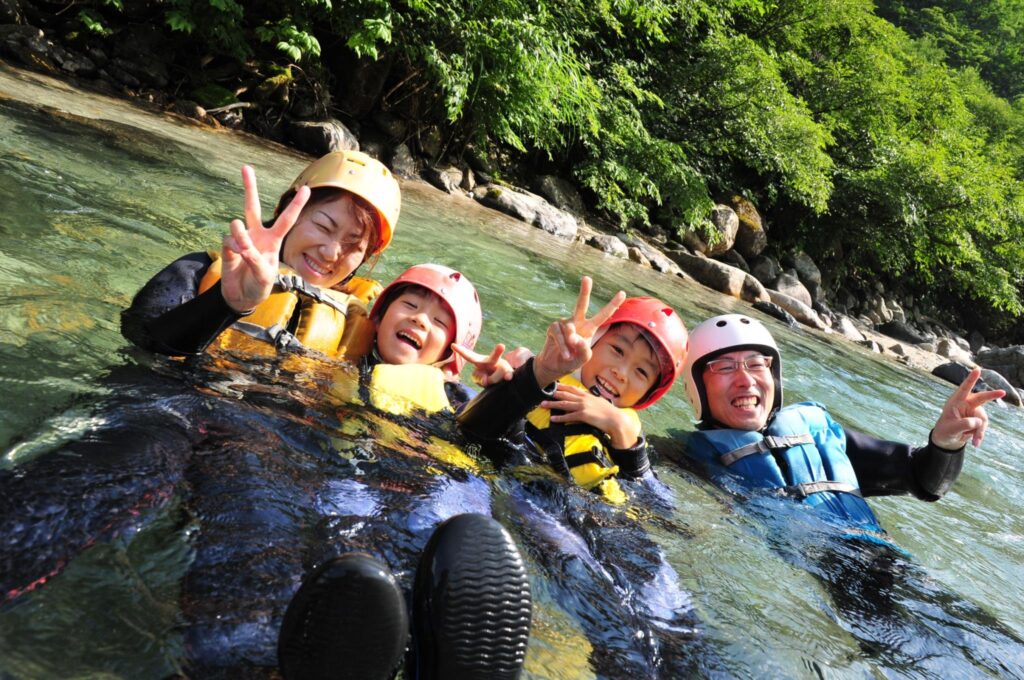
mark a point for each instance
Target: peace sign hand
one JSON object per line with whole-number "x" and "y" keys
{"x": 567, "y": 346}
{"x": 963, "y": 417}
{"x": 487, "y": 369}
{"x": 250, "y": 253}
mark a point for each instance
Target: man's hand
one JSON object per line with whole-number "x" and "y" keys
{"x": 963, "y": 417}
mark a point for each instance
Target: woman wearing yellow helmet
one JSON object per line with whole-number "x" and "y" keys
{"x": 288, "y": 283}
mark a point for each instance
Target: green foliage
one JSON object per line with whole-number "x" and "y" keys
{"x": 93, "y": 22}
{"x": 888, "y": 143}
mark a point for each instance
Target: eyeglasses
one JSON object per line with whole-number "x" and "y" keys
{"x": 756, "y": 364}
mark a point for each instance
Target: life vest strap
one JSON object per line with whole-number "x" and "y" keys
{"x": 767, "y": 444}
{"x": 293, "y": 282}
{"x": 584, "y": 457}
{"x": 276, "y": 335}
{"x": 805, "y": 490}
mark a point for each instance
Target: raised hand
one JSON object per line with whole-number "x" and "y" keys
{"x": 580, "y": 406}
{"x": 963, "y": 417}
{"x": 567, "y": 346}
{"x": 488, "y": 369}
{"x": 250, "y": 252}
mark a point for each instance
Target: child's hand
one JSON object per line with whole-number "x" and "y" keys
{"x": 250, "y": 253}
{"x": 963, "y": 418}
{"x": 580, "y": 406}
{"x": 487, "y": 369}
{"x": 518, "y": 356}
{"x": 568, "y": 341}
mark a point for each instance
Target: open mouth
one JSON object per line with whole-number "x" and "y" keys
{"x": 322, "y": 271}
{"x": 746, "y": 402}
{"x": 409, "y": 339}
{"x": 605, "y": 387}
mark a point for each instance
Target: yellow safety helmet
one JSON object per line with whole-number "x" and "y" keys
{"x": 361, "y": 174}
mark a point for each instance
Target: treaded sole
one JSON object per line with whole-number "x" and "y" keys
{"x": 473, "y": 604}
{"x": 347, "y": 621}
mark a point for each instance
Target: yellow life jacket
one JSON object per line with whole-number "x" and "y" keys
{"x": 575, "y": 450}
{"x": 403, "y": 390}
{"x": 332, "y": 322}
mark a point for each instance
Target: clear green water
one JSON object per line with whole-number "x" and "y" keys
{"x": 96, "y": 196}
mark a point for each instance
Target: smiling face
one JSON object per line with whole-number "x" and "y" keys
{"x": 416, "y": 328}
{"x": 329, "y": 240}
{"x": 741, "y": 399}
{"x": 624, "y": 366}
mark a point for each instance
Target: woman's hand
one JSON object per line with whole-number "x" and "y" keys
{"x": 250, "y": 252}
{"x": 567, "y": 346}
{"x": 580, "y": 406}
{"x": 963, "y": 417}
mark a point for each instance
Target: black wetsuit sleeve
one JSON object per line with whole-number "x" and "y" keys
{"x": 458, "y": 394}
{"x": 886, "y": 468}
{"x": 167, "y": 316}
{"x": 633, "y": 462}
{"x": 499, "y": 409}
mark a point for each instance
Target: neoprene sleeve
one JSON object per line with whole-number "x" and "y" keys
{"x": 886, "y": 468}
{"x": 493, "y": 413}
{"x": 167, "y": 316}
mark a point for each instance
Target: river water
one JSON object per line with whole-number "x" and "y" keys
{"x": 97, "y": 195}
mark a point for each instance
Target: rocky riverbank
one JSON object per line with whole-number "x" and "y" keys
{"x": 732, "y": 260}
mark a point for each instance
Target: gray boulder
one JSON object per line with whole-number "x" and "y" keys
{"x": 901, "y": 331}
{"x": 846, "y": 327}
{"x": 720, "y": 276}
{"x": 608, "y": 244}
{"x": 788, "y": 283}
{"x": 320, "y": 137}
{"x": 402, "y": 163}
{"x": 773, "y": 310}
{"x": 559, "y": 192}
{"x": 803, "y": 313}
{"x": 948, "y": 348}
{"x": 766, "y": 269}
{"x": 1008, "y": 361}
{"x": 529, "y": 208}
{"x": 722, "y": 224}
{"x": 998, "y": 382}
{"x": 734, "y": 259}
{"x": 751, "y": 236}
{"x": 808, "y": 272}
{"x": 446, "y": 179}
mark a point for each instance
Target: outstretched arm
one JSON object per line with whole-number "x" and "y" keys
{"x": 567, "y": 346}
{"x": 928, "y": 472}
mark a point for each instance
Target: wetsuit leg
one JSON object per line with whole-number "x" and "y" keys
{"x": 253, "y": 489}
{"x": 92, "y": 490}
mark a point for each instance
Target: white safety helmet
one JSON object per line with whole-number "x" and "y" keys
{"x": 720, "y": 335}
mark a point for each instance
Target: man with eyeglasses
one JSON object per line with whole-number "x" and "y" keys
{"x": 733, "y": 377}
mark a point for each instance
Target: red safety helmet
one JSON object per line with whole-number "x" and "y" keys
{"x": 663, "y": 329}
{"x": 456, "y": 291}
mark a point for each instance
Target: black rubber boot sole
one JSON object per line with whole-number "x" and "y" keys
{"x": 347, "y": 621}
{"x": 472, "y": 605}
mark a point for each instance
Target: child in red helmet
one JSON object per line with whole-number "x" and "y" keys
{"x": 349, "y": 618}
{"x": 627, "y": 356}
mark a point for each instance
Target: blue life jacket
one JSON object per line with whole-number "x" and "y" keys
{"x": 802, "y": 451}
